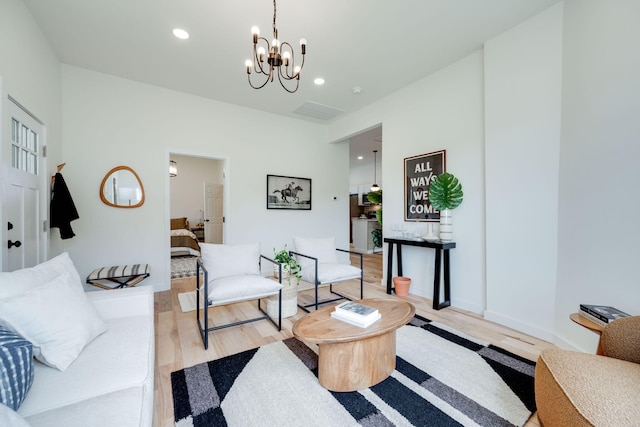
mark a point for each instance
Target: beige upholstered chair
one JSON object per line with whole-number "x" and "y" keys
{"x": 578, "y": 389}
{"x": 232, "y": 273}
{"x": 321, "y": 267}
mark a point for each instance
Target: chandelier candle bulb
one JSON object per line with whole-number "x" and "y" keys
{"x": 248, "y": 64}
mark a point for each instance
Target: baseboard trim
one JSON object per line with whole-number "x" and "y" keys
{"x": 520, "y": 326}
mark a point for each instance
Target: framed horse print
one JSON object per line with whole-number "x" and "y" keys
{"x": 288, "y": 192}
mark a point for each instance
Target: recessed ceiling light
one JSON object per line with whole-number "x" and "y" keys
{"x": 319, "y": 81}
{"x": 180, "y": 33}
{"x": 360, "y": 157}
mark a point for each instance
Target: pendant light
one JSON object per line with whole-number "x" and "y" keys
{"x": 375, "y": 187}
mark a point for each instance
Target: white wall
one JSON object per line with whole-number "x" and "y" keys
{"x": 30, "y": 73}
{"x": 442, "y": 111}
{"x": 599, "y": 229}
{"x": 522, "y": 73}
{"x": 111, "y": 121}
{"x": 363, "y": 175}
{"x": 187, "y": 188}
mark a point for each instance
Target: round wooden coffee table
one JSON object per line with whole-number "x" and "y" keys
{"x": 349, "y": 357}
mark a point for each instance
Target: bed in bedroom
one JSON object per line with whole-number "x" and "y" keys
{"x": 183, "y": 241}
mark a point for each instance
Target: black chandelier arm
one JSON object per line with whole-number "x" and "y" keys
{"x": 289, "y": 71}
{"x": 262, "y": 85}
{"x": 286, "y": 88}
{"x": 257, "y": 64}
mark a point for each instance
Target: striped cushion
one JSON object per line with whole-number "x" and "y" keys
{"x": 16, "y": 368}
{"x": 119, "y": 271}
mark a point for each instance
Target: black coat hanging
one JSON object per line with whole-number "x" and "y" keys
{"x": 63, "y": 210}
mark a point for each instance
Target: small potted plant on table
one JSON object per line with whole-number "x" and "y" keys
{"x": 445, "y": 194}
{"x": 291, "y": 269}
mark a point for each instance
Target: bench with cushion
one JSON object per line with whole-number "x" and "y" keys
{"x": 119, "y": 276}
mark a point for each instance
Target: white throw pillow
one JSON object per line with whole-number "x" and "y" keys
{"x": 10, "y": 418}
{"x": 230, "y": 260}
{"x": 56, "y": 317}
{"x": 322, "y": 248}
{"x": 18, "y": 282}
{"x": 241, "y": 287}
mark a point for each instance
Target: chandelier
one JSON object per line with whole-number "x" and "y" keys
{"x": 280, "y": 59}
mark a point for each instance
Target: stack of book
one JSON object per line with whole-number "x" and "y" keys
{"x": 601, "y": 314}
{"x": 356, "y": 314}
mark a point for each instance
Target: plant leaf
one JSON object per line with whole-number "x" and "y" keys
{"x": 445, "y": 192}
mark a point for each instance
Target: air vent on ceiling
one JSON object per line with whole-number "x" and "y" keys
{"x": 318, "y": 111}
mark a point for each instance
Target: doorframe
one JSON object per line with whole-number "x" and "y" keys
{"x": 226, "y": 178}
{"x": 43, "y": 176}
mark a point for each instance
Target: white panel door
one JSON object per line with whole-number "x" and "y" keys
{"x": 213, "y": 213}
{"x": 23, "y": 166}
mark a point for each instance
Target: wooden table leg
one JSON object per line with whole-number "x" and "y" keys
{"x": 356, "y": 365}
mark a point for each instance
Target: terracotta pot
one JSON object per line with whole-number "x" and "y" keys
{"x": 401, "y": 285}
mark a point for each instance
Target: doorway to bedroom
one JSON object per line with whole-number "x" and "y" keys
{"x": 196, "y": 206}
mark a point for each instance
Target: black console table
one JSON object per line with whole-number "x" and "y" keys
{"x": 439, "y": 248}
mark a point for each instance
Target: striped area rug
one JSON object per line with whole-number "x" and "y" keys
{"x": 442, "y": 378}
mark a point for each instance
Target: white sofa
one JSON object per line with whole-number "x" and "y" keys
{"x": 110, "y": 383}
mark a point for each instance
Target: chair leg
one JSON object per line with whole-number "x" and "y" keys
{"x": 280, "y": 310}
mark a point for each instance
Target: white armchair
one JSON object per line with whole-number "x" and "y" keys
{"x": 320, "y": 266}
{"x": 232, "y": 273}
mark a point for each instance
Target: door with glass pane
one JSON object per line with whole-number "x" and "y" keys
{"x": 21, "y": 193}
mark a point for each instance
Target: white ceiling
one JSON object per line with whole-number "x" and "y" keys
{"x": 378, "y": 46}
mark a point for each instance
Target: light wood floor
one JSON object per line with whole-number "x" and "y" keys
{"x": 178, "y": 343}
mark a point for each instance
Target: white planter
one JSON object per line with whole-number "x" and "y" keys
{"x": 446, "y": 225}
{"x": 289, "y": 300}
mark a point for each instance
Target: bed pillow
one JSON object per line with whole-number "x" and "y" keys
{"x": 324, "y": 249}
{"x": 20, "y": 281}
{"x": 179, "y": 223}
{"x": 230, "y": 260}
{"x": 16, "y": 368}
{"x": 56, "y": 317}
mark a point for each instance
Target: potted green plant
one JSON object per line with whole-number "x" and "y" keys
{"x": 290, "y": 266}
{"x": 445, "y": 194}
{"x": 375, "y": 197}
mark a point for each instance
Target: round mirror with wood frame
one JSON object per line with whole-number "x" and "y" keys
{"x": 122, "y": 188}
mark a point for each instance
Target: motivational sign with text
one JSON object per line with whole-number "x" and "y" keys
{"x": 419, "y": 172}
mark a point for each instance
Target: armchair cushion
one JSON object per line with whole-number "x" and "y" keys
{"x": 238, "y": 288}
{"x": 230, "y": 260}
{"x": 324, "y": 249}
{"x": 620, "y": 339}
{"x": 329, "y": 273}
{"x": 579, "y": 389}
